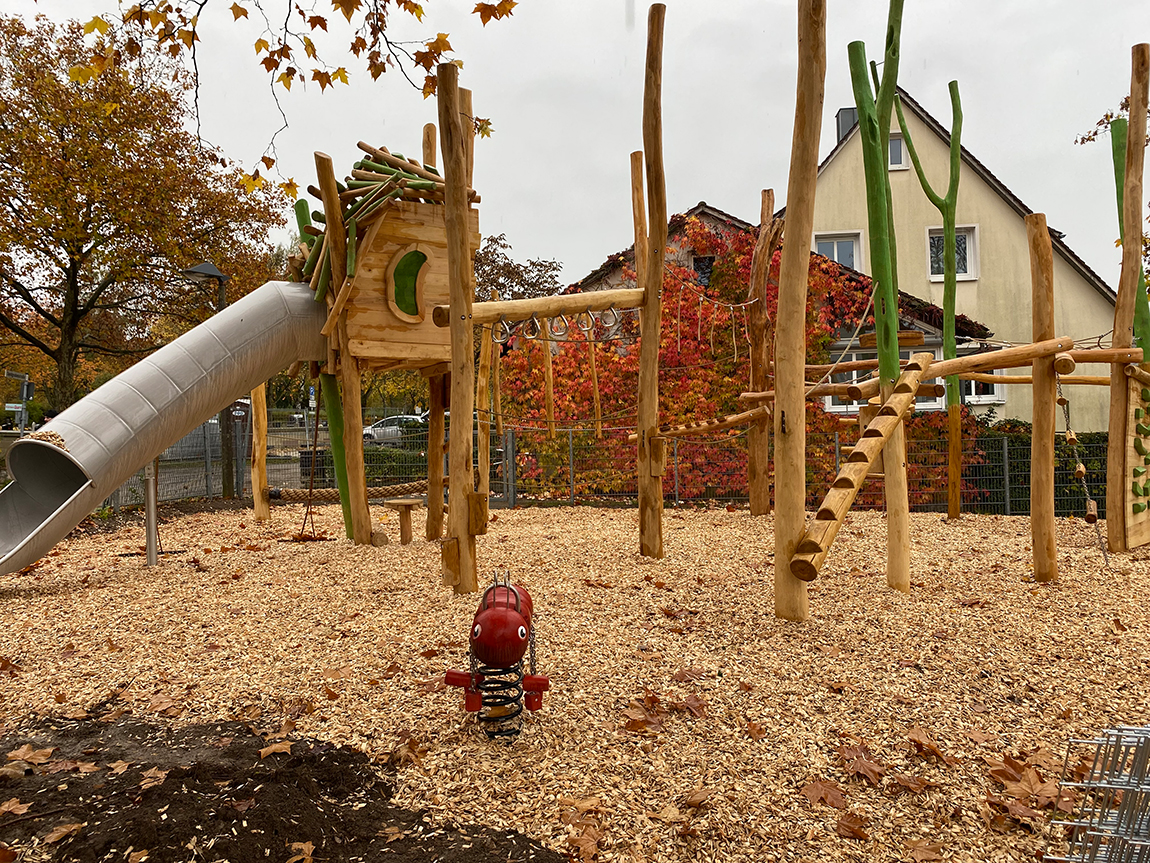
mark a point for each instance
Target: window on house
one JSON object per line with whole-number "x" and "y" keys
{"x": 842, "y": 248}
{"x": 844, "y": 405}
{"x": 965, "y": 254}
{"x": 983, "y": 392}
{"x": 703, "y": 264}
{"x": 898, "y": 158}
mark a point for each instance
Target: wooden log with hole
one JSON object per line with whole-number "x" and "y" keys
{"x": 1044, "y": 377}
{"x": 815, "y": 543}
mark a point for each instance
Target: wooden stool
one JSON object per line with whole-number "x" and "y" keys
{"x": 404, "y": 505}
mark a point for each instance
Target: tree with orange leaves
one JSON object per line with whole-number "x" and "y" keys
{"x": 106, "y": 198}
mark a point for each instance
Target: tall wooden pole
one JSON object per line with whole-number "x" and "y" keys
{"x": 651, "y": 454}
{"x": 595, "y": 386}
{"x": 348, "y": 365}
{"x": 1116, "y": 478}
{"x": 495, "y": 380}
{"x": 458, "y": 555}
{"x": 429, "y": 144}
{"x": 483, "y": 411}
{"x": 1045, "y": 401}
{"x": 759, "y": 436}
{"x": 790, "y": 428}
{"x": 260, "y": 502}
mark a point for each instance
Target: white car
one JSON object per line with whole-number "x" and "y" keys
{"x": 390, "y": 430}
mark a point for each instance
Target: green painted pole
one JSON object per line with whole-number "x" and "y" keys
{"x": 946, "y": 205}
{"x": 303, "y": 220}
{"x": 1118, "y": 130}
{"x": 333, "y": 407}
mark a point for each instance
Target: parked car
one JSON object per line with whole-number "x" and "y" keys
{"x": 390, "y": 430}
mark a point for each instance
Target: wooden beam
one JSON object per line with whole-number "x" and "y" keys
{"x": 458, "y": 558}
{"x": 718, "y": 424}
{"x": 1116, "y": 478}
{"x": 403, "y": 351}
{"x": 1079, "y": 380}
{"x": 1139, "y": 374}
{"x": 335, "y": 236}
{"x": 652, "y": 258}
{"x": 791, "y": 601}
{"x": 1042, "y": 439}
{"x": 260, "y": 502}
{"x": 467, "y": 124}
{"x": 1107, "y": 355}
{"x": 545, "y": 307}
{"x": 429, "y": 145}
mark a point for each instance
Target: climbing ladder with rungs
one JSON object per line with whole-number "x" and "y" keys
{"x": 816, "y": 542}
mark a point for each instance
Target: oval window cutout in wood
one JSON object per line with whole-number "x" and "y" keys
{"x": 405, "y": 277}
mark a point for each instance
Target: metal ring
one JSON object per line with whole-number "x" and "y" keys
{"x": 531, "y": 328}
{"x": 501, "y": 332}
{"x": 613, "y": 320}
{"x": 586, "y": 322}
{"x": 557, "y": 327}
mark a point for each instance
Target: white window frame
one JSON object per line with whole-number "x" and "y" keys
{"x": 835, "y": 236}
{"x": 835, "y": 405}
{"x": 971, "y": 231}
{"x": 996, "y": 397}
{"x": 901, "y": 166}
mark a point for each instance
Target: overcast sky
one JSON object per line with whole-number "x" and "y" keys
{"x": 562, "y": 84}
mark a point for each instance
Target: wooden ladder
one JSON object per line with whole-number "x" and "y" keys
{"x": 816, "y": 541}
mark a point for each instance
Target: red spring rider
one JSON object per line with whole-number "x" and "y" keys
{"x": 501, "y": 634}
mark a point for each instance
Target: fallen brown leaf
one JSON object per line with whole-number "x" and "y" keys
{"x": 282, "y": 746}
{"x": 32, "y": 756}
{"x": 850, "y": 826}
{"x": 826, "y": 791}
{"x": 14, "y": 807}
{"x": 62, "y": 831}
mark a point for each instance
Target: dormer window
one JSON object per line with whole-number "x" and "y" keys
{"x": 898, "y": 159}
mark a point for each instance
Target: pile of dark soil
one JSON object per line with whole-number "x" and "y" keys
{"x": 125, "y": 790}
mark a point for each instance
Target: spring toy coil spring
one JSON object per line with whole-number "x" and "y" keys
{"x": 502, "y": 690}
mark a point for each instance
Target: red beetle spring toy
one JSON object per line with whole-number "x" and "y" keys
{"x": 502, "y": 633}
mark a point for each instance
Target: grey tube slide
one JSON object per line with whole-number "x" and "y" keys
{"x": 113, "y": 432}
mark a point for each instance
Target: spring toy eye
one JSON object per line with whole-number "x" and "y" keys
{"x": 522, "y": 632}
{"x": 476, "y": 631}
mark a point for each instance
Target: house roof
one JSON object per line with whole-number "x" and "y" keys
{"x": 1012, "y": 200}
{"x": 674, "y": 225}
{"x": 909, "y": 306}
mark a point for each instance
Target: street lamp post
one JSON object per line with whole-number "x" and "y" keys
{"x": 200, "y": 274}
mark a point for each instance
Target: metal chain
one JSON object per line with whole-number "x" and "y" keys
{"x": 1073, "y": 440}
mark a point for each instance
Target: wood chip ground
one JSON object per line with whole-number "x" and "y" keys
{"x": 685, "y": 720}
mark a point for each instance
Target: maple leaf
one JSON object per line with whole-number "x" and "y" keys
{"x": 439, "y": 45}
{"x": 924, "y": 743}
{"x": 914, "y": 784}
{"x": 698, "y": 797}
{"x": 303, "y": 851}
{"x": 238, "y": 12}
{"x": 290, "y": 187}
{"x": 32, "y": 756}
{"x": 282, "y": 746}
{"x": 187, "y": 37}
{"x": 756, "y": 731}
{"x": 154, "y": 776}
{"x": 826, "y": 791}
{"x": 347, "y": 7}
{"x": 692, "y": 704}
{"x": 685, "y": 674}
{"x": 14, "y": 806}
{"x": 261, "y": 45}
{"x": 96, "y": 24}
{"x": 324, "y": 78}
{"x": 62, "y": 831}
{"x": 923, "y": 851}
{"x": 340, "y": 74}
{"x": 285, "y": 79}
{"x": 118, "y": 767}
{"x": 850, "y": 826}
{"x": 317, "y": 22}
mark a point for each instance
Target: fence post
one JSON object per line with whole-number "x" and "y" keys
{"x": 1006, "y": 470}
{"x": 207, "y": 460}
{"x": 677, "y": 472}
{"x": 838, "y": 455}
{"x": 571, "y": 462}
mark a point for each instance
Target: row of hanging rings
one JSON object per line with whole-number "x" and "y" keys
{"x": 557, "y": 328}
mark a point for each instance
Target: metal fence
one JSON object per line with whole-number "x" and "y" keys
{"x": 529, "y": 467}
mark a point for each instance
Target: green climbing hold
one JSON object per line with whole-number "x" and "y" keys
{"x": 1145, "y": 394}
{"x": 1142, "y": 429}
{"x": 1139, "y": 490}
{"x": 1140, "y": 448}
{"x": 1139, "y": 471}
{"x": 1138, "y": 507}
{"x": 1139, "y": 413}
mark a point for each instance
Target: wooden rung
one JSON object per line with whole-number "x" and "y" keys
{"x": 1079, "y": 470}
{"x": 806, "y": 566}
{"x": 878, "y": 476}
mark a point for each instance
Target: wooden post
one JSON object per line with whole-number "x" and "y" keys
{"x": 336, "y": 234}
{"x": 1042, "y": 439}
{"x": 897, "y": 493}
{"x": 429, "y": 144}
{"x": 353, "y": 438}
{"x": 459, "y": 549}
{"x": 954, "y": 460}
{"x": 595, "y": 387}
{"x": 260, "y": 502}
{"x": 650, "y": 454}
{"x": 1116, "y": 478}
{"x": 437, "y": 404}
{"x": 483, "y": 411}
{"x": 759, "y": 436}
{"x": 548, "y": 377}
{"x": 467, "y": 127}
{"x": 791, "y": 602}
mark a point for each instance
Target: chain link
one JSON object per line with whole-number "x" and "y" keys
{"x": 1073, "y": 441}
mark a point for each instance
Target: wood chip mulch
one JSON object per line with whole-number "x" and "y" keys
{"x": 685, "y": 721}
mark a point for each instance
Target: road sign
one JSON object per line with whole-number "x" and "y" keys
{"x": 16, "y": 376}
{"x": 14, "y": 408}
